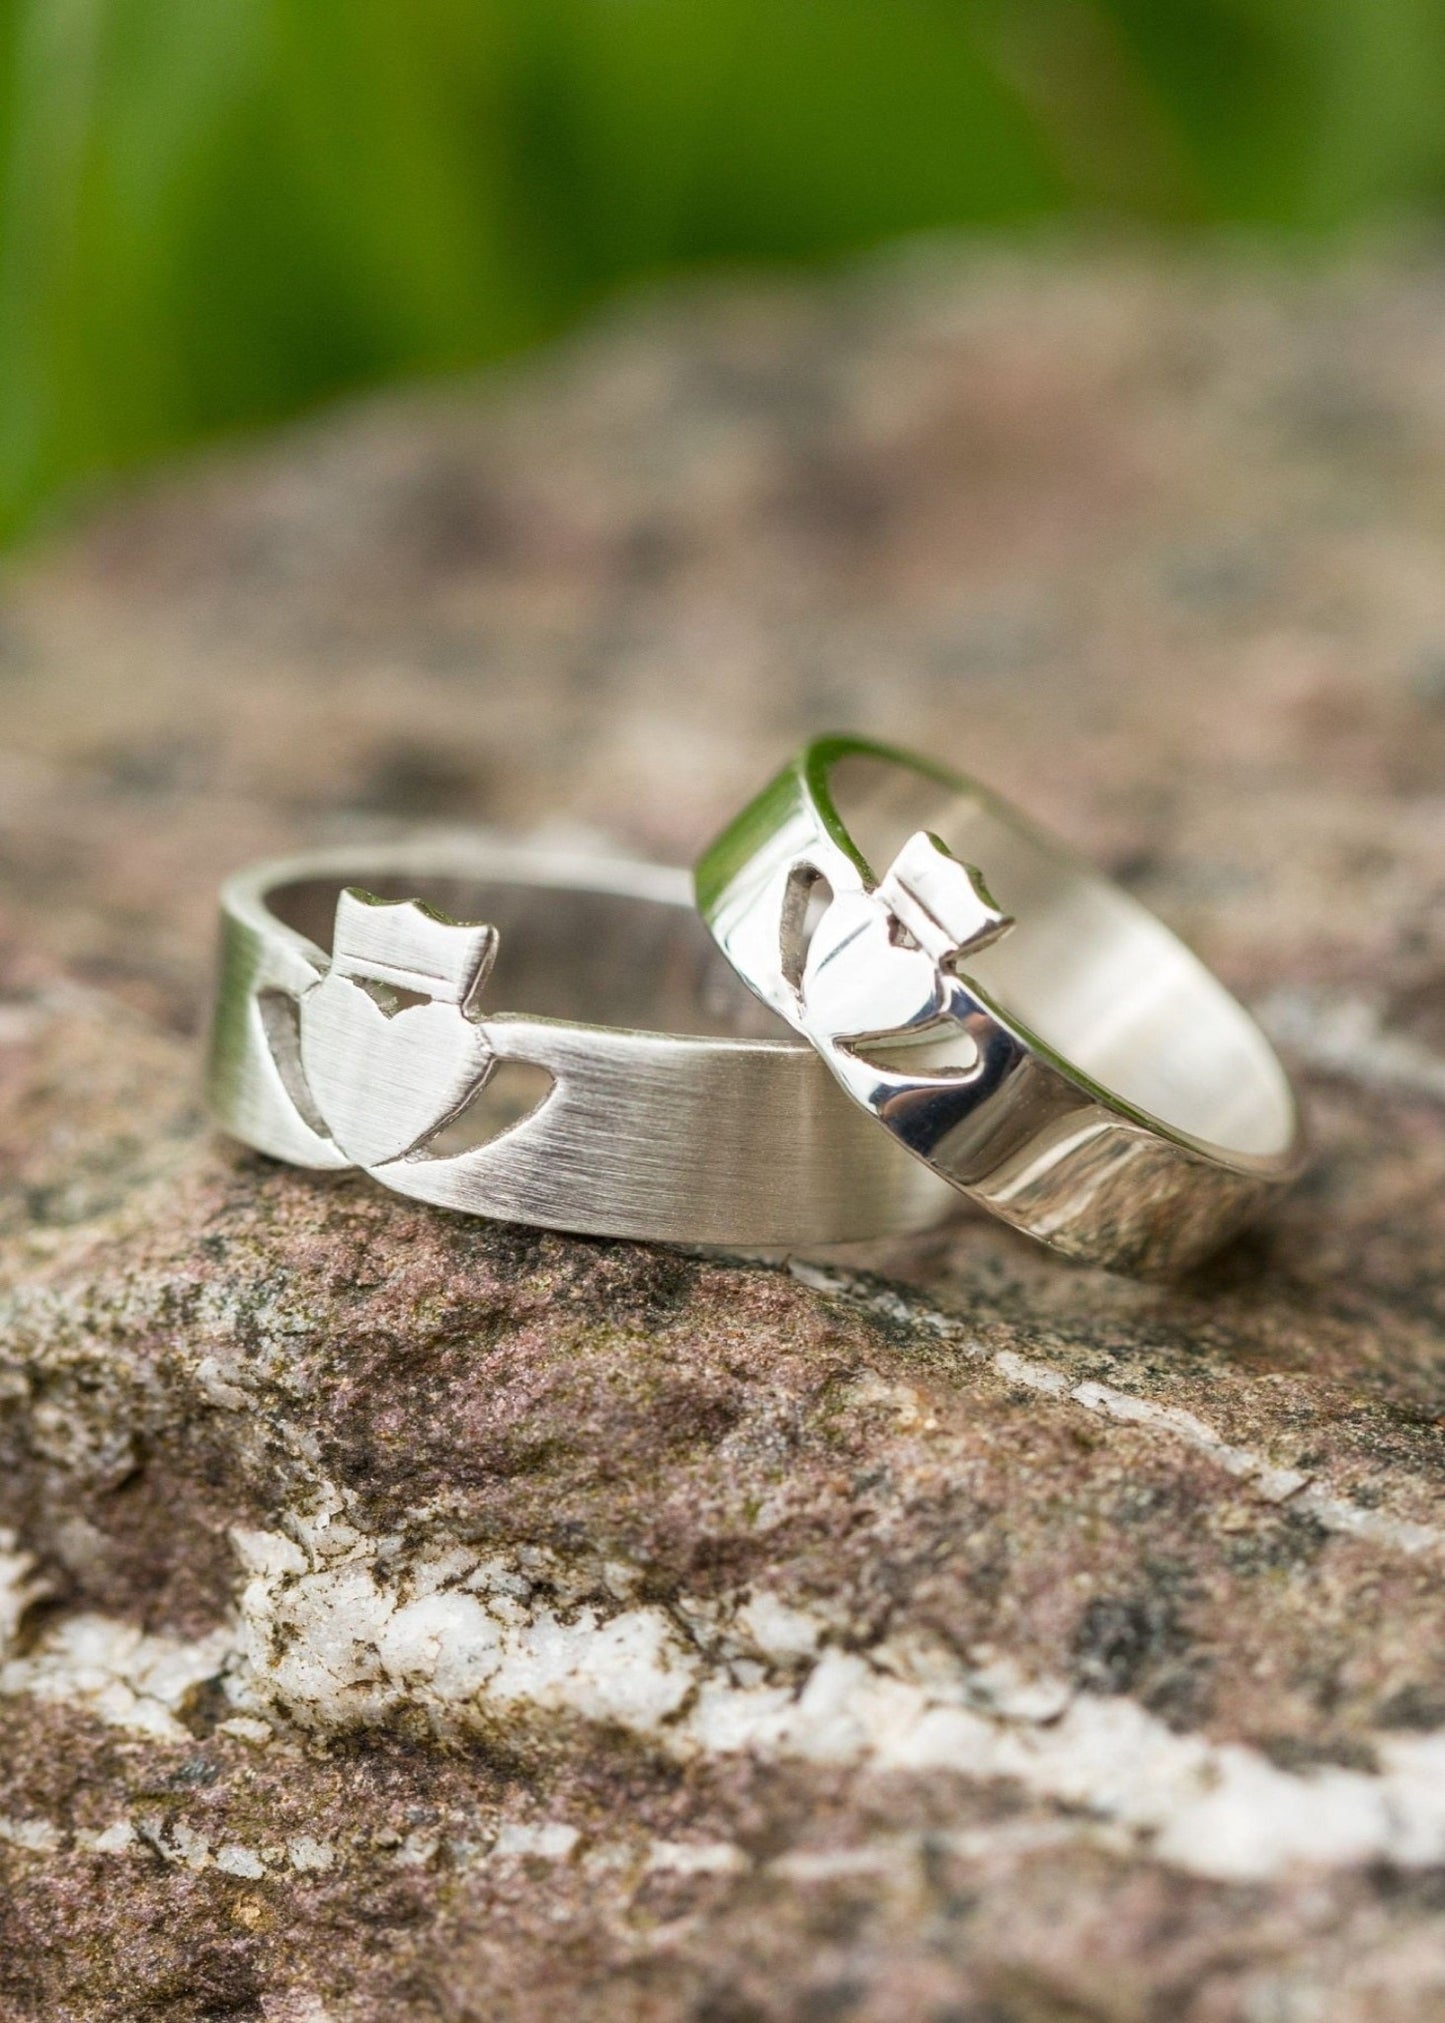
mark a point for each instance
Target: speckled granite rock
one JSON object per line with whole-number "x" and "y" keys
{"x": 411, "y": 1619}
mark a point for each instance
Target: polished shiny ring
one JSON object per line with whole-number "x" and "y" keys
{"x": 1021, "y": 1026}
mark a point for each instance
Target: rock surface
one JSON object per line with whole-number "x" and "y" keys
{"x": 408, "y": 1618}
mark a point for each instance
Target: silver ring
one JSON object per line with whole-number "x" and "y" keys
{"x": 1052, "y": 1051}
{"x": 633, "y": 1088}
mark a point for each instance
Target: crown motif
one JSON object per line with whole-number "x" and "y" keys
{"x": 411, "y": 947}
{"x": 941, "y": 901}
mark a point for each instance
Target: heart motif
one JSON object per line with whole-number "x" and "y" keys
{"x": 858, "y": 980}
{"x": 881, "y": 962}
{"x": 385, "y": 1081}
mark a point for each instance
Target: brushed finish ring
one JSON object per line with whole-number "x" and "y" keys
{"x": 1007, "y": 1014}
{"x": 354, "y": 1027}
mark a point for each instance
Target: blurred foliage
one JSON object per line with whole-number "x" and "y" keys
{"x": 216, "y": 211}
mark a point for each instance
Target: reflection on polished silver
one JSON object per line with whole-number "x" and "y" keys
{"x": 1015, "y": 1020}
{"x": 636, "y": 1090}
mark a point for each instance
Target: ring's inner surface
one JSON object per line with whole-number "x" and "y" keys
{"x": 565, "y": 952}
{"x": 1085, "y": 969}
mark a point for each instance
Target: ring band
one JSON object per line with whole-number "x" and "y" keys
{"x": 354, "y": 1027}
{"x": 1021, "y": 1025}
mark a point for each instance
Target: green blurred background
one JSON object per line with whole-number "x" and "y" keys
{"x": 216, "y": 212}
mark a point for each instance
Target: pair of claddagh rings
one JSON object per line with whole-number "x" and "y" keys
{"x": 793, "y": 1048}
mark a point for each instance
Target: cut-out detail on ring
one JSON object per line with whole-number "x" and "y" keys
{"x": 280, "y": 1017}
{"x": 946, "y": 1047}
{"x": 806, "y": 901}
{"x": 390, "y": 998}
{"x": 505, "y": 1099}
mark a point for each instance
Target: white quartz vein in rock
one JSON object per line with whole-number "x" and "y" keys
{"x": 355, "y": 1636}
{"x": 112, "y": 1669}
{"x": 354, "y": 1639}
{"x": 336, "y": 1629}
{"x": 117, "y": 1672}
